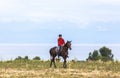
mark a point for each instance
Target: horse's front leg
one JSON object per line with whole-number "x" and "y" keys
{"x": 64, "y": 64}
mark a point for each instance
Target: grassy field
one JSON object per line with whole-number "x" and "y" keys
{"x": 40, "y": 69}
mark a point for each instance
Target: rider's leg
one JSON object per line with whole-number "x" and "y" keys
{"x": 59, "y": 50}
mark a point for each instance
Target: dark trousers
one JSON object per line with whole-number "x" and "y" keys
{"x": 59, "y": 51}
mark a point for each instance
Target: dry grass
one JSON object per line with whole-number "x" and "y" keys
{"x": 57, "y": 73}
{"x": 40, "y": 69}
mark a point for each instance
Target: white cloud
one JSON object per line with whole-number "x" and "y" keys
{"x": 79, "y": 12}
{"x": 108, "y": 1}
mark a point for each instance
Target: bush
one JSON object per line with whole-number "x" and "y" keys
{"x": 104, "y": 54}
{"x": 21, "y": 58}
{"x": 36, "y": 58}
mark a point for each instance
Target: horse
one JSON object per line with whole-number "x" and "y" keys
{"x": 63, "y": 53}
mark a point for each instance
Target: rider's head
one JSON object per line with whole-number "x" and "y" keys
{"x": 60, "y": 35}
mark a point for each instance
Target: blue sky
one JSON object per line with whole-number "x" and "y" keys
{"x": 40, "y": 21}
{"x": 25, "y": 25}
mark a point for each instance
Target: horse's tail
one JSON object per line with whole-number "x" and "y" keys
{"x": 51, "y": 53}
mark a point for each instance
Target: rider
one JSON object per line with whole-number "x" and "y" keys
{"x": 61, "y": 43}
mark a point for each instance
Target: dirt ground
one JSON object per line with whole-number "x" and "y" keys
{"x": 57, "y": 73}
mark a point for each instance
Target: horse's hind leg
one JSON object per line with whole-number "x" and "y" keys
{"x": 51, "y": 61}
{"x": 54, "y": 62}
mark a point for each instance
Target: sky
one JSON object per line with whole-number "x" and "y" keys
{"x": 40, "y": 21}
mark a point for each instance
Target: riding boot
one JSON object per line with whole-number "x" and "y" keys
{"x": 58, "y": 55}
{"x": 67, "y": 56}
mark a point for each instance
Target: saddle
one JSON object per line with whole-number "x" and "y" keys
{"x": 59, "y": 52}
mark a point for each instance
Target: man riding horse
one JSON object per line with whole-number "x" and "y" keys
{"x": 61, "y": 43}
{"x": 62, "y": 51}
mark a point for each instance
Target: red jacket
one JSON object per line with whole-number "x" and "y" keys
{"x": 61, "y": 42}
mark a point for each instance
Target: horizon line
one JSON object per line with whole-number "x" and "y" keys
{"x": 52, "y": 44}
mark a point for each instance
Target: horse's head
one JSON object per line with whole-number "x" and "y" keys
{"x": 68, "y": 44}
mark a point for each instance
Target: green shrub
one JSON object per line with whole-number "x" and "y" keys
{"x": 36, "y": 58}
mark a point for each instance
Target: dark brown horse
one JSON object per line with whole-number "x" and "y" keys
{"x": 63, "y": 53}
